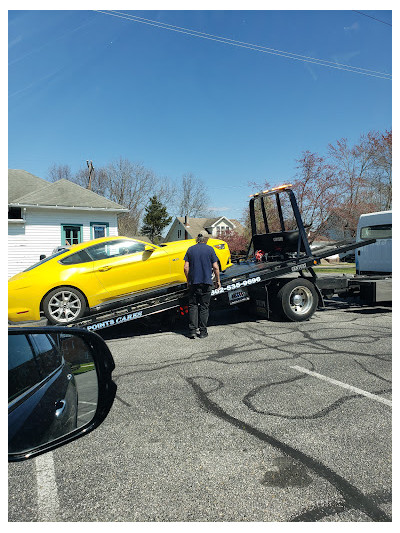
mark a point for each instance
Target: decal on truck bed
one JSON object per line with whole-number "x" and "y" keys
{"x": 234, "y": 286}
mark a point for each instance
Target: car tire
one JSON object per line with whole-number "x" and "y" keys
{"x": 297, "y": 300}
{"x": 64, "y": 305}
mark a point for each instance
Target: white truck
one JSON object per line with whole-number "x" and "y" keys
{"x": 375, "y": 258}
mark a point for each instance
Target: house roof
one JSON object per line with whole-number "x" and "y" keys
{"x": 198, "y": 225}
{"x": 26, "y": 189}
{"x": 21, "y": 182}
{"x": 195, "y": 225}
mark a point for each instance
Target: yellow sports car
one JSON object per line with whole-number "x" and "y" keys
{"x": 67, "y": 284}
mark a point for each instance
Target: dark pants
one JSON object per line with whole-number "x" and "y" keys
{"x": 199, "y": 304}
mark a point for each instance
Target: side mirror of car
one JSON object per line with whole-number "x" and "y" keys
{"x": 41, "y": 257}
{"x": 60, "y": 387}
{"x": 149, "y": 248}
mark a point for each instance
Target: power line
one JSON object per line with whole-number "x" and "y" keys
{"x": 254, "y": 47}
{"x": 369, "y": 16}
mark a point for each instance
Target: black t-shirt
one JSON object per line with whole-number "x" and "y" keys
{"x": 200, "y": 257}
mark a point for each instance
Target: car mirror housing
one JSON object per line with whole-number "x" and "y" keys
{"x": 60, "y": 387}
{"x": 149, "y": 248}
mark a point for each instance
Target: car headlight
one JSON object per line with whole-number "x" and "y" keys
{"x": 219, "y": 246}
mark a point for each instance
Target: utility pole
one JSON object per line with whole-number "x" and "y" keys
{"x": 91, "y": 169}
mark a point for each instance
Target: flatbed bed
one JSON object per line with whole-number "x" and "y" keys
{"x": 236, "y": 284}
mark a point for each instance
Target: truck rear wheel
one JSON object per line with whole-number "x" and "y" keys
{"x": 297, "y": 300}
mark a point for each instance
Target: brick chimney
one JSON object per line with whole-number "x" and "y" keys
{"x": 186, "y": 226}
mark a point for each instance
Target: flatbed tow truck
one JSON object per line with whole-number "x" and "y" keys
{"x": 282, "y": 281}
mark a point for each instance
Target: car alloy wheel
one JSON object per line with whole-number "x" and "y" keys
{"x": 64, "y": 305}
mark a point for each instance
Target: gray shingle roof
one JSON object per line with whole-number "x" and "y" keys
{"x": 195, "y": 225}
{"x": 21, "y": 182}
{"x": 27, "y": 189}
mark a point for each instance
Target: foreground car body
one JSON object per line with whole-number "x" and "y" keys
{"x": 60, "y": 387}
{"x": 65, "y": 285}
{"x": 42, "y": 394}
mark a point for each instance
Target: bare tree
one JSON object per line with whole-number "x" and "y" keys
{"x": 129, "y": 184}
{"x": 59, "y": 172}
{"x": 354, "y": 166}
{"x": 316, "y": 188}
{"x": 381, "y": 182}
{"x": 166, "y": 191}
{"x": 193, "y": 197}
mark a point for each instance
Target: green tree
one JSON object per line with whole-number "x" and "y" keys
{"x": 155, "y": 220}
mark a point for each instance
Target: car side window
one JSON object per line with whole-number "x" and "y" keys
{"x": 47, "y": 354}
{"x": 110, "y": 249}
{"x": 23, "y": 371}
{"x": 78, "y": 257}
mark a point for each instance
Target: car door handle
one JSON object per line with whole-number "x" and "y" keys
{"x": 60, "y": 408}
{"x": 104, "y": 269}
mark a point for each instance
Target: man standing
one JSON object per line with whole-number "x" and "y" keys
{"x": 200, "y": 262}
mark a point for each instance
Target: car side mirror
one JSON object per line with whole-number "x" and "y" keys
{"x": 149, "y": 248}
{"x": 41, "y": 257}
{"x": 60, "y": 387}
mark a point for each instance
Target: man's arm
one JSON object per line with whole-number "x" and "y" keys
{"x": 216, "y": 272}
{"x": 186, "y": 271}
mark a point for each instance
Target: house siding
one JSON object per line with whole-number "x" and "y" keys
{"x": 221, "y": 227}
{"x": 41, "y": 233}
{"x": 173, "y": 234}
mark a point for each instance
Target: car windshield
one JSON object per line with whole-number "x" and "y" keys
{"x": 45, "y": 260}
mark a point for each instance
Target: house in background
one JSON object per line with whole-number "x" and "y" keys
{"x": 188, "y": 228}
{"x": 43, "y": 215}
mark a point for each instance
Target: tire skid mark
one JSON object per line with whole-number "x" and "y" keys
{"x": 336, "y": 507}
{"x": 319, "y": 414}
{"x": 352, "y": 496}
{"x": 372, "y": 373}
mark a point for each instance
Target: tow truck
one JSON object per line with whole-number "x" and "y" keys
{"x": 276, "y": 276}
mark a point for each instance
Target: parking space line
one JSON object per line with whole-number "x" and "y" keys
{"x": 343, "y": 385}
{"x": 47, "y": 492}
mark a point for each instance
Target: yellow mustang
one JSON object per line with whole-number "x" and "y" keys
{"x": 98, "y": 273}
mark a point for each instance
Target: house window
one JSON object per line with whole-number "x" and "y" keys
{"x": 179, "y": 233}
{"x": 71, "y": 234}
{"x": 98, "y": 229}
{"x": 14, "y": 213}
{"x": 222, "y": 230}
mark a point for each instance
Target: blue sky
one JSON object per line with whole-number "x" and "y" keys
{"x": 88, "y": 85}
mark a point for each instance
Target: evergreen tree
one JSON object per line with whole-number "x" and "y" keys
{"x": 155, "y": 220}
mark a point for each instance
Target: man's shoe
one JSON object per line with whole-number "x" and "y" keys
{"x": 203, "y": 335}
{"x": 192, "y": 335}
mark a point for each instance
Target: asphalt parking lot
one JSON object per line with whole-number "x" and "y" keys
{"x": 262, "y": 421}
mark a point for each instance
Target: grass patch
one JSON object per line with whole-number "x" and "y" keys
{"x": 336, "y": 270}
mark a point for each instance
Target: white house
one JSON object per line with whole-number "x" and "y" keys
{"x": 43, "y": 215}
{"x": 188, "y": 228}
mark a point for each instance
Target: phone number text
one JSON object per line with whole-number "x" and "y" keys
{"x": 234, "y": 286}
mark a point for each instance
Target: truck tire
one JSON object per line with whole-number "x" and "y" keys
{"x": 297, "y": 300}
{"x": 64, "y": 305}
